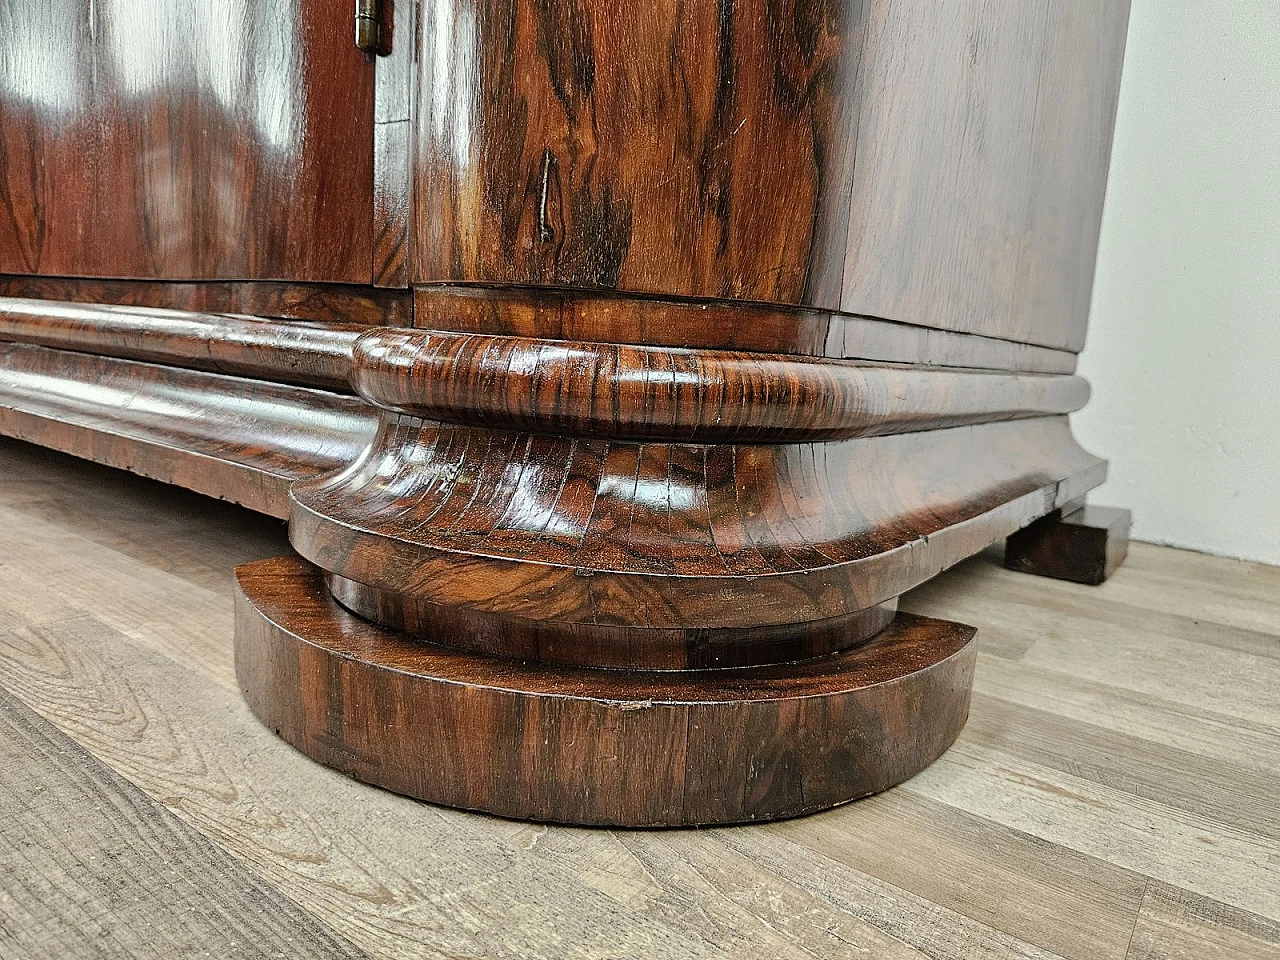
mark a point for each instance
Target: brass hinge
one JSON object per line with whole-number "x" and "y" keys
{"x": 368, "y": 25}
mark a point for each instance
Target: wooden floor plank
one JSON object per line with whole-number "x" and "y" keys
{"x": 391, "y": 872}
{"x": 936, "y": 930}
{"x": 1040, "y": 607}
{"x": 90, "y": 866}
{"x": 1216, "y": 860}
{"x": 1202, "y": 786}
{"x": 1238, "y": 684}
{"x": 1204, "y": 732}
{"x": 1177, "y": 925}
{"x": 1115, "y": 792}
{"x": 970, "y": 865}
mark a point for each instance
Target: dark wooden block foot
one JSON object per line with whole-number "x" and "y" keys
{"x": 632, "y": 748}
{"x": 1085, "y": 544}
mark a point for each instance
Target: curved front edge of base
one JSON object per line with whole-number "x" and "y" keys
{"x": 609, "y": 645}
{"x": 594, "y": 746}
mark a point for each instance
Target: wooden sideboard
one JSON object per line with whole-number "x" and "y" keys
{"x": 617, "y": 366}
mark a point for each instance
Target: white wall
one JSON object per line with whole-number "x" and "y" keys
{"x": 1184, "y": 338}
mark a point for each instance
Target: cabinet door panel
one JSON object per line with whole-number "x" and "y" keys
{"x": 227, "y": 139}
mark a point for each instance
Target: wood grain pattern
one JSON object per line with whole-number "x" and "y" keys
{"x": 891, "y": 159}
{"x": 92, "y": 867}
{"x": 985, "y": 139}
{"x": 317, "y": 302}
{"x": 609, "y": 645}
{"x": 721, "y": 476}
{"x": 317, "y": 355}
{"x": 392, "y": 211}
{"x": 242, "y": 440}
{"x": 185, "y": 141}
{"x": 762, "y": 328}
{"x": 1175, "y": 923}
{"x": 720, "y": 746}
{"x": 486, "y": 545}
{"x": 116, "y": 627}
{"x": 531, "y": 151}
{"x": 687, "y": 396}
{"x": 393, "y": 144}
{"x": 669, "y": 535}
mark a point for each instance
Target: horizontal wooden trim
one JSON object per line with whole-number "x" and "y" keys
{"x": 303, "y": 353}
{"x": 242, "y": 440}
{"x": 700, "y": 396}
{"x": 316, "y": 302}
{"x": 560, "y": 314}
{"x": 610, "y": 645}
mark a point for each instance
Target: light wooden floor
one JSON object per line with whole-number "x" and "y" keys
{"x": 1115, "y": 793}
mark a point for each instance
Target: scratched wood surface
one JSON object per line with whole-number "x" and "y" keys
{"x": 91, "y": 866}
{"x": 1113, "y": 796}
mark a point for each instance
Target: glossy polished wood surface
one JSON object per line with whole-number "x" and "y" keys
{"x": 619, "y": 645}
{"x": 319, "y": 302}
{"x": 393, "y": 208}
{"x": 178, "y": 140}
{"x": 648, "y": 508}
{"x": 315, "y": 355}
{"x": 936, "y": 164}
{"x": 724, "y": 323}
{"x": 602, "y": 747}
{"x": 671, "y": 535}
{"x": 763, "y": 328}
{"x": 693, "y": 396}
{"x": 246, "y": 441}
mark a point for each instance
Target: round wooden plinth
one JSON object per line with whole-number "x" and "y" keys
{"x": 592, "y": 746}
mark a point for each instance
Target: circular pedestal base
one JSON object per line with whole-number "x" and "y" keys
{"x": 594, "y": 746}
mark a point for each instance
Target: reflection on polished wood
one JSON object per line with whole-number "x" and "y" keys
{"x": 695, "y": 396}
{"x": 177, "y": 140}
{"x": 612, "y": 403}
{"x": 938, "y": 164}
{"x": 316, "y": 355}
{"x": 670, "y": 535}
{"x": 721, "y": 324}
{"x": 667, "y": 748}
{"x": 320, "y": 302}
{"x": 242, "y": 440}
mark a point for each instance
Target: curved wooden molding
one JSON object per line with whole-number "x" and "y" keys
{"x": 676, "y": 535}
{"x": 317, "y": 355}
{"x": 601, "y": 747}
{"x": 242, "y": 440}
{"x": 624, "y": 391}
{"x": 695, "y": 552}
{"x": 633, "y": 506}
{"x": 810, "y": 280}
{"x": 609, "y": 645}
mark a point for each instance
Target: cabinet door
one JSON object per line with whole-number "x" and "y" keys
{"x": 185, "y": 139}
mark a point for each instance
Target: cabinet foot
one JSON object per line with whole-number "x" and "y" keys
{"x": 1080, "y": 543}
{"x": 607, "y": 747}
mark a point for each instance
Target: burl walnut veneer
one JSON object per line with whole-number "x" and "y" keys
{"x": 617, "y": 366}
